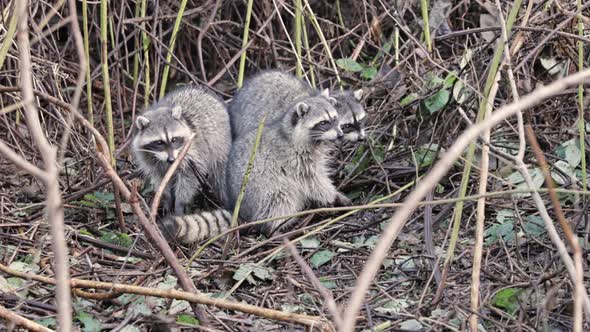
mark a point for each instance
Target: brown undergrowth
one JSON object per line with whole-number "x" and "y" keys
{"x": 418, "y": 102}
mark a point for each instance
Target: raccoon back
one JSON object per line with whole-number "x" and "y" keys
{"x": 270, "y": 91}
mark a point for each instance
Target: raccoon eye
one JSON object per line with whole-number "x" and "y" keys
{"x": 160, "y": 142}
{"x": 346, "y": 125}
{"x": 324, "y": 123}
{"x": 173, "y": 140}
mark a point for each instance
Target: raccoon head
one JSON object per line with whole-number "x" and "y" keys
{"x": 161, "y": 134}
{"x": 351, "y": 113}
{"x": 314, "y": 120}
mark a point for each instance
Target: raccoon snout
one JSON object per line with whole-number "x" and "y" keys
{"x": 171, "y": 155}
{"x": 362, "y": 136}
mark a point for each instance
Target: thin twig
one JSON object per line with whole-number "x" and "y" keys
{"x": 328, "y": 298}
{"x": 167, "y": 177}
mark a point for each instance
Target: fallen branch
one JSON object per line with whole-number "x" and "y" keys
{"x": 22, "y": 321}
{"x": 310, "y": 321}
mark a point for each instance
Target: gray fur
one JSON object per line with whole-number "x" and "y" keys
{"x": 290, "y": 171}
{"x": 352, "y": 114}
{"x": 274, "y": 91}
{"x": 179, "y": 114}
{"x": 269, "y": 91}
{"x": 189, "y": 229}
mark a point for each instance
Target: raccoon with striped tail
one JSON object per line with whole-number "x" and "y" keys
{"x": 162, "y": 131}
{"x": 289, "y": 173}
{"x": 273, "y": 91}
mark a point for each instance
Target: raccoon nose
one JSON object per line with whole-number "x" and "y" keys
{"x": 362, "y": 136}
{"x": 339, "y": 135}
{"x": 171, "y": 159}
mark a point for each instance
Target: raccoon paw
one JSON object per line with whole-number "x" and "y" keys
{"x": 342, "y": 200}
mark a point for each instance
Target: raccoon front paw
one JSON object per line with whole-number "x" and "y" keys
{"x": 342, "y": 200}
{"x": 169, "y": 228}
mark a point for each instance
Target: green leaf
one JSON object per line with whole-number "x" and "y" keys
{"x": 450, "y": 79}
{"x": 25, "y": 267}
{"x": 437, "y": 101}
{"x": 504, "y": 228}
{"x": 566, "y": 169}
{"x": 329, "y": 284}
{"x": 90, "y": 323}
{"x": 321, "y": 257}
{"x": 310, "y": 243}
{"x": 187, "y": 320}
{"x": 117, "y": 238}
{"x": 262, "y": 273}
{"x": 168, "y": 283}
{"x": 246, "y": 272}
{"x": 466, "y": 58}
{"x": 411, "y": 325}
{"x": 100, "y": 198}
{"x": 349, "y": 65}
{"x": 48, "y": 322}
{"x": 104, "y": 198}
{"x": 394, "y": 306}
{"x": 408, "y": 99}
{"x": 507, "y": 299}
{"x": 85, "y": 203}
{"x": 534, "y": 225}
{"x": 369, "y": 73}
{"x": 570, "y": 152}
{"x": 426, "y": 154}
{"x": 143, "y": 305}
{"x": 459, "y": 92}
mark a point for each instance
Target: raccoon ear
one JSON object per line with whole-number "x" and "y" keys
{"x": 358, "y": 94}
{"x": 325, "y": 93}
{"x": 333, "y": 101}
{"x": 302, "y": 109}
{"x": 141, "y": 122}
{"x": 176, "y": 112}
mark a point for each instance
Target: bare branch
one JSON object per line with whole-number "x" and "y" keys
{"x": 54, "y": 206}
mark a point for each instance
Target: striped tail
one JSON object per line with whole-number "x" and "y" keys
{"x": 192, "y": 228}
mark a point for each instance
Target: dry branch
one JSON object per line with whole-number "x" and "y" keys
{"x": 311, "y": 321}
{"x": 22, "y": 321}
{"x": 54, "y": 206}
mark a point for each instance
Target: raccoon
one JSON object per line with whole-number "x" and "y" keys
{"x": 290, "y": 170}
{"x": 274, "y": 91}
{"x": 165, "y": 127}
{"x": 351, "y": 113}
